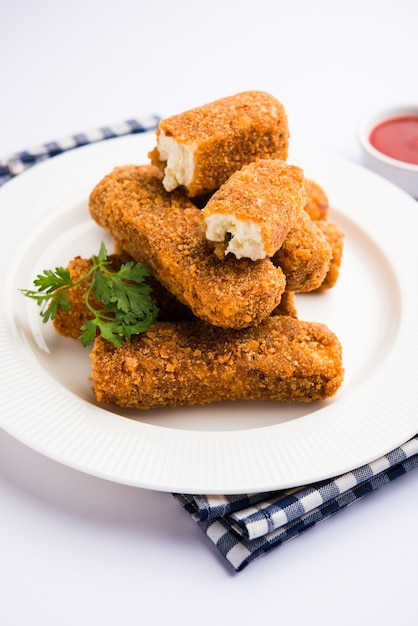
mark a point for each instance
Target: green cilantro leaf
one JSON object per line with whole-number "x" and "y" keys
{"x": 126, "y": 304}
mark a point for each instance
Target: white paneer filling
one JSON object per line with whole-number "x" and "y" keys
{"x": 180, "y": 162}
{"x": 242, "y": 236}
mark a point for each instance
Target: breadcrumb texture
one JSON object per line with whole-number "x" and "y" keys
{"x": 317, "y": 204}
{"x": 335, "y": 238}
{"x": 265, "y": 193}
{"x": 282, "y": 359}
{"x": 317, "y": 207}
{"x": 69, "y": 323}
{"x": 225, "y": 135}
{"x": 304, "y": 256}
{"x": 166, "y": 232}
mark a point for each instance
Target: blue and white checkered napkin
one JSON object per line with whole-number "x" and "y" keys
{"x": 246, "y": 527}
{"x": 17, "y": 163}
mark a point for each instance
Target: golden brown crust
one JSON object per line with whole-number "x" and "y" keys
{"x": 317, "y": 205}
{"x": 227, "y": 134}
{"x": 335, "y": 238}
{"x": 166, "y": 232}
{"x": 69, "y": 323}
{"x": 304, "y": 256}
{"x": 266, "y": 192}
{"x": 180, "y": 364}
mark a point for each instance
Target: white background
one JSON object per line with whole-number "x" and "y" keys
{"x": 79, "y": 550}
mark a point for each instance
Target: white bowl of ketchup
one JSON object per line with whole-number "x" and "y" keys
{"x": 389, "y": 141}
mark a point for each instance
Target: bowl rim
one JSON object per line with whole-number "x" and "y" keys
{"x": 375, "y": 116}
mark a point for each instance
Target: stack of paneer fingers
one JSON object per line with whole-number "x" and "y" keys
{"x": 231, "y": 232}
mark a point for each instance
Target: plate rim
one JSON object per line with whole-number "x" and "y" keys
{"x": 104, "y": 152}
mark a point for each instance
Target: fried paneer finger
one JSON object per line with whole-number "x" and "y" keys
{"x": 304, "y": 256}
{"x": 252, "y": 212}
{"x": 166, "y": 232}
{"x": 317, "y": 204}
{"x": 194, "y": 363}
{"x": 317, "y": 207}
{"x": 199, "y": 149}
{"x": 69, "y": 323}
{"x": 335, "y": 237}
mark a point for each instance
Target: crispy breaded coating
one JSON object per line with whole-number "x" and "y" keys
{"x": 166, "y": 232}
{"x": 199, "y": 149}
{"x": 335, "y": 237}
{"x": 317, "y": 204}
{"x": 193, "y": 363}
{"x": 69, "y": 323}
{"x": 252, "y": 212}
{"x": 304, "y": 256}
{"x": 317, "y": 207}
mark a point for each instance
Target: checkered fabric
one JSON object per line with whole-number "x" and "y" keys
{"x": 15, "y": 164}
{"x": 246, "y": 527}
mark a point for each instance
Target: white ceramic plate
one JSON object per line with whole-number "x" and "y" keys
{"x": 46, "y": 401}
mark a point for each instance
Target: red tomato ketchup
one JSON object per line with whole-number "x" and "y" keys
{"x": 397, "y": 137}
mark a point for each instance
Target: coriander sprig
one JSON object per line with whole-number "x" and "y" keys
{"x": 125, "y": 308}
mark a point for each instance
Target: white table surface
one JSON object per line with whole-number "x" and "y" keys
{"x": 75, "y": 549}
